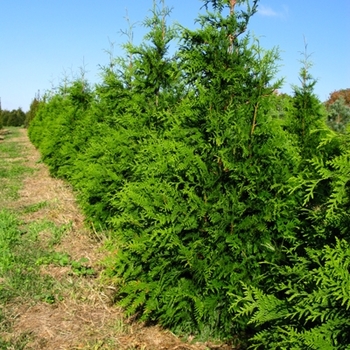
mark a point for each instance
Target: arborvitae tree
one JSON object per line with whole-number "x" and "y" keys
{"x": 155, "y": 73}
{"x": 307, "y": 305}
{"x": 203, "y": 183}
{"x": 317, "y": 146}
{"x": 104, "y": 163}
{"x": 207, "y": 200}
{"x": 128, "y": 111}
{"x": 54, "y": 128}
{"x": 153, "y": 70}
{"x": 33, "y": 109}
{"x": 308, "y": 119}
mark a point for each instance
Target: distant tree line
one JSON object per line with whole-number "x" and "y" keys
{"x": 17, "y": 117}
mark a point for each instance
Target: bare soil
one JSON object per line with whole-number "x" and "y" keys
{"x": 85, "y": 318}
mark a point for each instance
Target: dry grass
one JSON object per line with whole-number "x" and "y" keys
{"x": 84, "y": 316}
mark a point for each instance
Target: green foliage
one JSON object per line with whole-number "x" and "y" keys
{"x": 307, "y": 120}
{"x": 224, "y": 199}
{"x": 153, "y": 72}
{"x": 307, "y": 305}
{"x": 9, "y": 235}
{"x": 338, "y": 115}
{"x": 16, "y": 117}
{"x": 207, "y": 199}
{"x": 11, "y": 169}
{"x": 33, "y": 110}
{"x": 79, "y": 267}
{"x": 60, "y": 127}
{"x": 311, "y": 309}
{"x": 283, "y": 108}
{"x": 19, "y": 251}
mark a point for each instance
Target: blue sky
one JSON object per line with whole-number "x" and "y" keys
{"x": 43, "y": 41}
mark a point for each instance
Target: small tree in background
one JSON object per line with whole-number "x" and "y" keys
{"x": 335, "y": 95}
{"x": 338, "y": 115}
{"x": 33, "y": 109}
{"x": 307, "y": 119}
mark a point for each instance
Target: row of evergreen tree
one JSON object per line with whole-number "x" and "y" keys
{"x": 227, "y": 204}
{"x": 17, "y": 117}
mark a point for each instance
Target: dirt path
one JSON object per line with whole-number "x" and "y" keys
{"x": 85, "y": 318}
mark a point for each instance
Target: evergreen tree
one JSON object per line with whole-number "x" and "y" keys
{"x": 128, "y": 113}
{"x": 54, "y": 128}
{"x": 317, "y": 147}
{"x": 307, "y": 121}
{"x": 207, "y": 200}
{"x": 307, "y": 305}
{"x": 33, "y": 109}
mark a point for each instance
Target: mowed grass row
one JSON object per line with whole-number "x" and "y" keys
{"x": 12, "y": 168}
{"x": 22, "y": 250}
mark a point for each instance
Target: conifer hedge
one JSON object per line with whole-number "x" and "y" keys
{"x": 221, "y": 196}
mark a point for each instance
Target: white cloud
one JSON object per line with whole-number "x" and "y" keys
{"x": 269, "y": 12}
